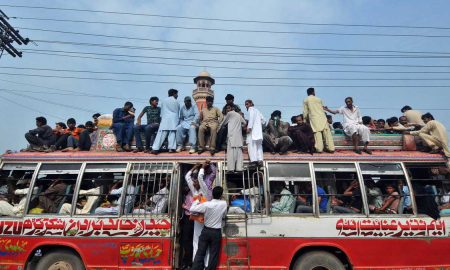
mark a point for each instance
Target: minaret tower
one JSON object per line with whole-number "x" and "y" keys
{"x": 204, "y": 81}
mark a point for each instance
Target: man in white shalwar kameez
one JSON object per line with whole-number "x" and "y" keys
{"x": 353, "y": 126}
{"x": 198, "y": 188}
{"x": 170, "y": 113}
{"x": 254, "y": 133}
{"x": 235, "y": 160}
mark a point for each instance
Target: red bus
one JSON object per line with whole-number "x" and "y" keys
{"x": 326, "y": 211}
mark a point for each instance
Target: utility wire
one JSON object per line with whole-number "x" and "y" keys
{"x": 29, "y": 108}
{"x": 248, "y": 53}
{"x": 223, "y": 84}
{"x": 226, "y": 20}
{"x": 72, "y": 54}
{"x": 228, "y": 30}
{"x": 222, "y": 77}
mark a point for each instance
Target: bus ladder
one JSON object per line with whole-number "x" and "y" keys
{"x": 238, "y": 249}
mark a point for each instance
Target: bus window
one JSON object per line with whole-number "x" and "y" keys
{"x": 431, "y": 185}
{"x": 245, "y": 192}
{"x": 386, "y": 188}
{"x": 148, "y": 189}
{"x": 98, "y": 190}
{"x": 290, "y": 188}
{"x": 338, "y": 190}
{"x": 15, "y": 179}
{"x": 53, "y": 187}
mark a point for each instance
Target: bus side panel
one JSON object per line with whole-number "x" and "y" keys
{"x": 362, "y": 253}
{"x": 104, "y": 253}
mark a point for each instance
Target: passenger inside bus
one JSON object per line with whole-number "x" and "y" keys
{"x": 350, "y": 202}
{"x": 114, "y": 199}
{"x": 89, "y": 193}
{"x": 283, "y": 201}
{"x": 304, "y": 202}
{"x": 52, "y": 196}
{"x": 157, "y": 203}
{"x": 391, "y": 201}
{"x": 374, "y": 195}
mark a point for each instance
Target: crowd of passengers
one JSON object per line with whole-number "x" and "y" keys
{"x": 226, "y": 129}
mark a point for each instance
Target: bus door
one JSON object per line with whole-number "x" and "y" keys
{"x": 151, "y": 188}
{"x": 244, "y": 192}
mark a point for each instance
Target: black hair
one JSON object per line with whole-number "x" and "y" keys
{"x": 249, "y": 101}
{"x": 172, "y": 92}
{"x": 366, "y": 120}
{"x": 62, "y": 125}
{"x": 348, "y": 98}
{"x": 210, "y": 98}
{"x": 406, "y": 108}
{"x": 427, "y": 115}
{"x": 154, "y": 98}
{"x": 337, "y": 125}
{"x": 294, "y": 119}
{"x": 275, "y": 113}
{"x": 42, "y": 120}
{"x": 381, "y": 120}
{"x": 81, "y": 126}
{"x": 89, "y": 124}
{"x": 71, "y": 121}
{"x": 217, "y": 192}
{"x": 96, "y": 115}
{"x": 229, "y": 97}
{"x": 128, "y": 104}
{"x": 329, "y": 116}
{"x": 310, "y": 91}
{"x": 392, "y": 120}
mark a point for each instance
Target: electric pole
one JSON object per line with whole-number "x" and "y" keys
{"x": 9, "y": 35}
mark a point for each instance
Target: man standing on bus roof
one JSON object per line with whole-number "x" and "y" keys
{"x": 153, "y": 113}
{"x": 170, "y": 113}
{"x": 122, "y": 126}
{"x": 433, "y": 134}
{"x": 254, "y": 134}
{"x": 313, "y": 112}
{"x": 234, "y": 122}
{"x": 353, "y": 126}
{"x": 214, "y": 211}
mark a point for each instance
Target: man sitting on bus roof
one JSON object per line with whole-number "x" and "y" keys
{"x": 153, "y": 113}
{"x": 353, "y": 125}
{"x": 41, "y": 137}
{"x": 210, "y": 118}
{"x": 434, "y": 135}
{"x": 122, "y": 126}
{"x": 189, "y": 117}
{"x": 275, "y": 136}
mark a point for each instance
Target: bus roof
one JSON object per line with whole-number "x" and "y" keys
{"x": 407, "y": 156}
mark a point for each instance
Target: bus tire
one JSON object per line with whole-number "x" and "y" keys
{"x": 63, "y": 260}
{"x": 318, "y": 260}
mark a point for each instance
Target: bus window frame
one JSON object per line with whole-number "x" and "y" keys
{"x": 357, "y": 173}
{"x": 29, "y": 194}
{"x": 34, "y": 179}
{"x": 311, "y": 179}
{"x": 78, "y": 185}
{"x": 406, "y": 178}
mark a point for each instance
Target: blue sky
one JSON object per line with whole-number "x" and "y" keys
{"x": 22, "y": 98}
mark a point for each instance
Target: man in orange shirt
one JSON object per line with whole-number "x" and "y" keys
{"x": 74, "y": 135}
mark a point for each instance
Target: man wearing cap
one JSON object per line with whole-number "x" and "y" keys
{"x": 189, "y": 116}
{"x": 222, "y": 133}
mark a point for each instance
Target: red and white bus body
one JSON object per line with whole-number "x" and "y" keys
{"x": 260, "y": 240}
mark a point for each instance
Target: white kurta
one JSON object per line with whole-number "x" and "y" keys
{"x": 255, "y": 138}
{"x": 353, "y": 123}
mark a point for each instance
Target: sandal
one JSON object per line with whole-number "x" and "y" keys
{"x": 357, "y": 151}
{"x": 367, "y": 151}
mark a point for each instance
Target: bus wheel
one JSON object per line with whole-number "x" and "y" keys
{"x": 61, "y": 260}
{"x": 318, "y": 260}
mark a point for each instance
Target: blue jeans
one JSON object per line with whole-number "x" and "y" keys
{"x": 123, "y": 132}
{"x": 149, "y": 133}
{"x": 181, "y": 135}
{"x": 72, "y": 142}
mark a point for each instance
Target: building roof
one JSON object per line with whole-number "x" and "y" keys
{"x": 204, "y": 75}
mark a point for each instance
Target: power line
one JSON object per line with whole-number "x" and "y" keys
{"x": 221, "y": 77}
{"x": 226, "y": 84}
{"x": 240, "y": 30}
{"x": 45, "y": 52}
{"x": 246, "y": 53}
{"x": 29, "y": 108}
{"x": 228, "y": 20}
